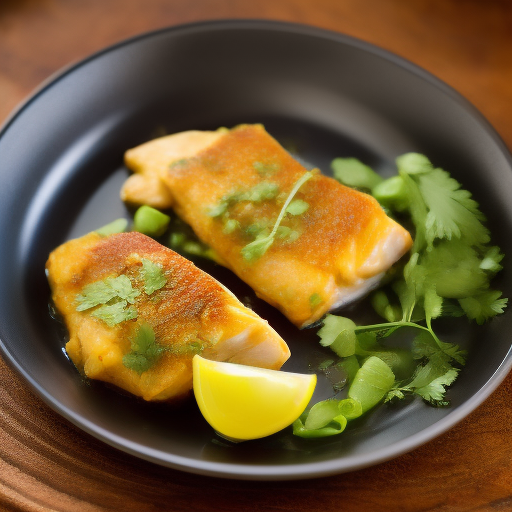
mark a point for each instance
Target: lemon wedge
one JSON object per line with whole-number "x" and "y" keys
{"x": 244, "y": 402}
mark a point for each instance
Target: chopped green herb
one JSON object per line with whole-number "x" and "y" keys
{"x": 230, "y": 226}
{"x": 286, "y": 234}
{"x": 266, "y": 169}
{"x": 101, "y": 292}
{"x": 258, "y": 247}
{"x": 145, "y": 352}
{"x": 263, "y": 191}
{"x": 297, "y": 207}
{"x": 315, "y": 300}
{"x": 153, "y": 276}
{"x": 113, "y": 314}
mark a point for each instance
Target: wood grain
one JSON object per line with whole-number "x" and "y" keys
{"x": 48, "y": 464}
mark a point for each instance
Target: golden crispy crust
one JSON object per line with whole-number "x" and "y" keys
{"x": 192, "y": 309}
{"x": 342, "y": 233}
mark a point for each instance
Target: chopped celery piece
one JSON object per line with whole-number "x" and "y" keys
{"x": 116, "y": 226}
{"x": 371, "y": 384}
{"x": 150, "y": 221}
{"x": 353, "y": 173}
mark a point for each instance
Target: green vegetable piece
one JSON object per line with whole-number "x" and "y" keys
{"x": 259, "y": 247}
{"x": 321, "y": 414}
{"x": 338, "y": 333}
{"x": 392, "y": 193}
{"x": 350, "y": 408}
{"x": 336, "y": 426}
{"x": 371, "y": 384}
{"x": 353, "y": 173}
{"x": 145, "y": 352}
{"x": 350, "y": 365}
{"x": 153, "y": 276}
{"x": 414, "y": 163}
{"x": 113, "y": 314}
{"x": 183, "y": 240}
{"x": 116, "y": 226}
{"x": 297, "y": 207}
{"x": 150, "y": 221}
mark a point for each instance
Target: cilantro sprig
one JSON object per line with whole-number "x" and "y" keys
{"x": 449, "y": 273}
{"x": 257, "y": 248}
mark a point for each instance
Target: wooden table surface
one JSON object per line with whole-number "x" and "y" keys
{"x": 46, "y": 463}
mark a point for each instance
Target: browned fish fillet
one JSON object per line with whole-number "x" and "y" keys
{"x": 157, "y": 293}
{"x": 331, "y": 247}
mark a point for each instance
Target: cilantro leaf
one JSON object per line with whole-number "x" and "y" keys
{"x": 259, "y": 247}
{"x": 94, "y": 294}
{"x": 152, "y": 275}
{"x": 353, "y": 173}
{"x": 123, "y": 288}
{"x": 297, "y": 207}
{"x": 102, "y": 292}
{"x": 452, "y": 213}
{"x": 113, "y": 314}
{"x": 145, "y": 352}
{"x": 483, "y": 306}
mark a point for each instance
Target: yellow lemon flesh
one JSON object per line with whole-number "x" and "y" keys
{"x": 244, "y": 402}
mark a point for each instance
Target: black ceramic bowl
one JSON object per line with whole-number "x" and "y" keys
{"x": 322, "y": 95}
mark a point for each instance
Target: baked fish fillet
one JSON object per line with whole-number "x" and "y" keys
{"x": 333, "y": 244}
{"x": 137, "y": 312}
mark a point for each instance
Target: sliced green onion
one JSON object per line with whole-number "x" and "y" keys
{"x": 321, "y": 414}
{"x": 371, "y": 383}
{"x": 336, "y": 426}
{"x": 116, "y": 226}
{"x": 350, "y": 408}
{"x": 150, "y": 221}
